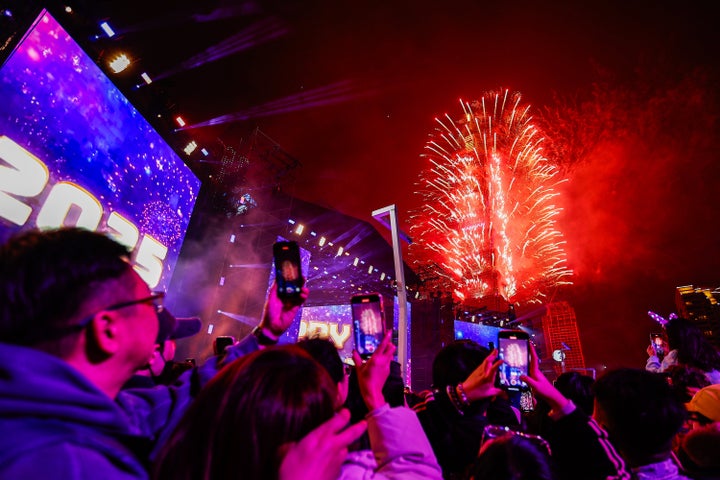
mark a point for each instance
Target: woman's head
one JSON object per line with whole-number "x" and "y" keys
{"x": 241, "y": 420}
{"x": 456, "y": 361}
{"x": 692, "y": 346}
{"x": 578, "y": 388}
{"x": 512, "y": 457}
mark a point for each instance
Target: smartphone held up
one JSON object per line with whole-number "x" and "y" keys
{"x": 288, "y": 273}
{"x": 514, "y": 350}
{"x": 658, "y": 344}
{"x": 221, "y": 343}
{"x": 368, "y": 322}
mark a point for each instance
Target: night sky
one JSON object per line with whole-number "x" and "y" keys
{"x": 626, "y": 89}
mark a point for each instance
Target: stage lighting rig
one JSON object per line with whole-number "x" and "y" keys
{"x": 105, "y": 27}
{"x": 190, "y": 147}
{"x": 119, "y": 63}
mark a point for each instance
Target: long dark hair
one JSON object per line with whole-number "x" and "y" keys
{"x": 512, "y": 458}
{"x": 238, "y": 424}
{"x": 692, "y": 346}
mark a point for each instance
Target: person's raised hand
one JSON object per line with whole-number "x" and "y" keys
{"x": 373, "y": 373}
{"x": 278, "y": 313}
{"x": 541, "y": 385}
{"x": 320, "y": 454}
{"x": 480, "y": 383}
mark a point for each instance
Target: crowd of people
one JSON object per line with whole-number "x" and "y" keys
{"x": 88, "y": 390}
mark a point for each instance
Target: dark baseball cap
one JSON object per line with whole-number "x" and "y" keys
{"x": 173, "y": 328}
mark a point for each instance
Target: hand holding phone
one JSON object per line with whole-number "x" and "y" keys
{"x": 373, "y": 373}
{"x": 368, "y": 322}
{"x": 513, "y": 350}
{"x": 221, "y": 343}
{"x": 480, "y": 383}
{"x": 541, "y": 386}
{"x": 658, "y": 344}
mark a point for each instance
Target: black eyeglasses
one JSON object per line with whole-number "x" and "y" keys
{"x": 156, "y": 299}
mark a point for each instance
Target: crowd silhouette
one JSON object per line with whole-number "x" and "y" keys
{"x": 89, "y": 389}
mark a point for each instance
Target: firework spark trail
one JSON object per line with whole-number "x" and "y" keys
{"x": 488, "y": 222}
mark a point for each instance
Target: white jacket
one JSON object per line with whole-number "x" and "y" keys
{"x": 400, "y": 449}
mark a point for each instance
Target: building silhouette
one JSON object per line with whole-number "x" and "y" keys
{"x": 556, "y": 330}
{"x": 702, "y": 306}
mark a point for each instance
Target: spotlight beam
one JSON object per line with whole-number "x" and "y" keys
{"x": 240, "y": 318}
{"x": 328, "y": 95}
{"x": 252, "y": 36}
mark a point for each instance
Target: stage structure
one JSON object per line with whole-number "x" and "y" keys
{"x": 557, "y": 339}
{"x": 403, "y": 321}
{"x": 75, "y": 152}
{"x": 226, "y": 269}
{"x": 248, "y": 171}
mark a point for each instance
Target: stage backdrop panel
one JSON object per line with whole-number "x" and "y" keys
{"x": 74, "y": 151}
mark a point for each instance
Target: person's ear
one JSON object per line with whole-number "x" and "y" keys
{"x": 104, "y": 331}
{"x": 169, "y": 349}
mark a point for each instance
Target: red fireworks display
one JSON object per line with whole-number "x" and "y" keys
{"x": 487, "y": 227}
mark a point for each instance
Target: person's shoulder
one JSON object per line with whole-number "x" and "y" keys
{"x": 61, "y": 457}
{"x": 671, "y": 358}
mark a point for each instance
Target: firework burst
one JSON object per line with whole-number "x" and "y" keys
{"x": 487, "y": 226}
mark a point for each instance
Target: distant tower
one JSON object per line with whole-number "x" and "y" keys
{"x": 559, "y": 333}
{"x": 702, "y": 306}
{"x": 487, "y": 229}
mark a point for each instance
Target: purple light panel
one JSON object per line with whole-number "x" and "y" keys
{"x": 74, "y": 151}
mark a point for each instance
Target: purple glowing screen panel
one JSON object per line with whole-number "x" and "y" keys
{"x": 329, "y": 321}
{"x": 74, "y": 151}
{"x": 482, "y": 334}
{"x": 334, "y": 322}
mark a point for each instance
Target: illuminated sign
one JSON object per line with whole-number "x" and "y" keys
{"x": 26, "y": 177}
{"x": 74, "y": 151}
{"x": 325, "y": 321}
{"x": 337, "y": 332}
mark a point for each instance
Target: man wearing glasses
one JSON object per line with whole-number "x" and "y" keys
{"x": 76, "y": 322}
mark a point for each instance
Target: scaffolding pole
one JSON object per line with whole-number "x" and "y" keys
{"x": 379, "y": 215}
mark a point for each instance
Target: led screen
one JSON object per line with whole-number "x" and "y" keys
{"x": 482, "y": 334}
{"x": 74, "y": 151}
{"x": 329, "y": 321}
{"x": 335, "y": 322}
